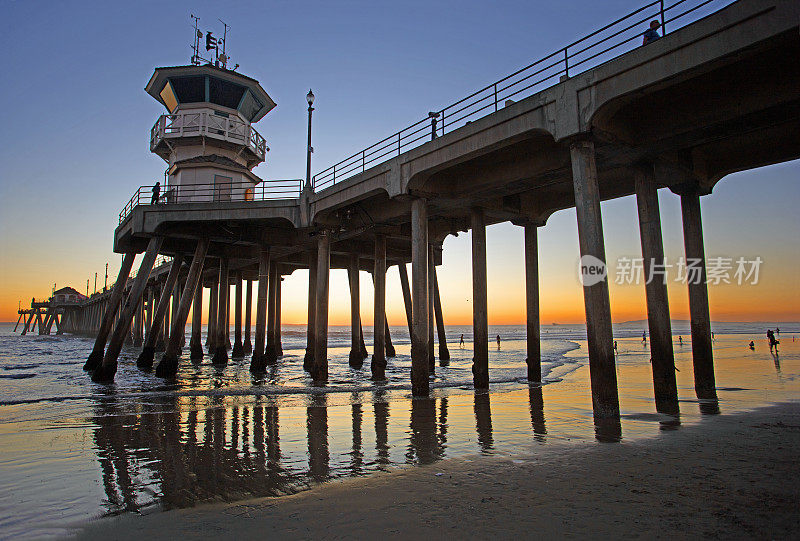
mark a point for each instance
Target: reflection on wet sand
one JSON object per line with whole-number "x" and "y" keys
{"x": 537, "y": 413}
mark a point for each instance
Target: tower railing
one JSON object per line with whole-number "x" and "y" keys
{"x": 602, "y": 45}
{"x": 206, "y": 123}
{"x": 219, "y": 192}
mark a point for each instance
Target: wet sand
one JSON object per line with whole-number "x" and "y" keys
{"x": 527, "y": 462}
{"x": 732, "y": 476}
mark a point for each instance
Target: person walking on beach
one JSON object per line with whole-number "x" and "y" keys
{"x": 752, "y": 345}
{"x": 778, "y": 331}
{"x": 156, "y": 193}
{"x": 651, "y": 34}
{"x": 644, "y": 337}
{"x": 461, "y": 343}
{"x": 498, "y": 342}
{"x": 615, "y": 347}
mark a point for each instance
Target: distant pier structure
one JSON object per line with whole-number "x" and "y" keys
{"x": 601, "y": 118}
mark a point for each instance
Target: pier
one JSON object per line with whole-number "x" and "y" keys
{"x": 599, "y": 119}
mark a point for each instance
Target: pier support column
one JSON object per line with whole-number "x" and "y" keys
{"x": 278, "y": 344}
{"x": 356, "y": 359}
{"x": 480, "y": 319}
{"x": 105, "y": 372}
{"x": 96, "y": 356}
{"x": 137, "y": 323}
{"x": 605, "y": 400}
{"x": 145, "y": 360}
{"x": 238, "y": 347}
{"x": 533, "y": 346}
{"x": 420, "y": 370}
{"x": 195, "y": 342}
{"x": 401, "y": 268}
{"x": 378, "y": 365}
{"x": 168, "y": 366}
{"x": 211, "y": 331}
{"x": 221, "y": 348}
{"x": 257, "y": 362}
{"x": 248, "y": 311}
{"x": 320, "y": 368}
{"x": 176, "y": 300}
{"x": 702, "y": 354}
{"x": 444, "y": 353}
{"x": 390, "y": 352}
{"x": 431, "y": 318}
{"x": 308, "y": 360}
{"x": 661, "y": 355}
{"x": 270, "y": 355}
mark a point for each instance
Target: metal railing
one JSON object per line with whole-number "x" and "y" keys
{"x": 602, "y": 45}
{"x": 209, "y": 124}
{"x": 267, "y": 190}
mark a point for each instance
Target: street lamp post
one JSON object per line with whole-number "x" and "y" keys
{"x": 309, "y": 149}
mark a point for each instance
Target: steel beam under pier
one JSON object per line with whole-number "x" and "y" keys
{"x": 605, "y": 400}
{"x": 96, "y": 356}
{"x": 480, "y": 320}
{"x": 257, "y": 361}
{"x": 702, "y": 354}
{"x": 220, "y": 345}
{"x": 105, "y": 372}
{"x": 420, "y": 370}
{"x": 145, "y": 360}
{"x": 319, "y": 371}
{"x": 378, "y": 364}
{"x": 168, "y": 366}
{"x": 662, "y": 356}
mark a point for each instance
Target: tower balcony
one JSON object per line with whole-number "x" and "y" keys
{"x": 191, "y": 125}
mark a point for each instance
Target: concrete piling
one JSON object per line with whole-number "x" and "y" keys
{"x": 533, "y": 347}
{"x": 444, "y": 353}
{"x": 420, "y": 369}
{"x": 238, "y": 346}
{"x": 145, "y": 360}
{"x": 221, "y": 349}
{"x": 247, "y": 347}
{"x": 658, "y": 321}
{"x": 270, "y": 353}
{"x": 168, "y": 366}
{"x": 96, "y": 356}
{"x": 308, "y": 360}
{"x": 257, "y": 361}
{"x": 480, "y": 321}
{"x": 356, "y": 360}
{"x": 320, "y": 367}
{"x": 105, "y": 372}
{"x": 702, "y": 354}
{"x": 195, "y": 342}
{"x": 602, "y": 369}
{"x": 378, "y": 364}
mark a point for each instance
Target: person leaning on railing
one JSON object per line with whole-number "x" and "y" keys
{"x": 651, "y": 34}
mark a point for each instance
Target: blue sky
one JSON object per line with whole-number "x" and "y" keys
{"x": 76, "y": 121}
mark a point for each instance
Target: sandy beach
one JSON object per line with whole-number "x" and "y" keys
{"x": 730, "y": 476}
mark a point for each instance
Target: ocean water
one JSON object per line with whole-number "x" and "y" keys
{"x": 72, "y": 450}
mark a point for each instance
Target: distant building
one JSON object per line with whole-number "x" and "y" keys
{"x": 67, "y": 295}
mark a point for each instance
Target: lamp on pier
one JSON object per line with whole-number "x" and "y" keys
{"x": 309, "y": 149}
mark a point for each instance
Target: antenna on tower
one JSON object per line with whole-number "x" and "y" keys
{"x": 223, "y": 58}
{"x": 198, "y": 35}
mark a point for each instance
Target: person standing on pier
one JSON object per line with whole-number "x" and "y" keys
{"x": 156, "y": 193}
{"x": 651, "y": 34}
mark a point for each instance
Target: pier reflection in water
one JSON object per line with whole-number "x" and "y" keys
{"x": 176, "y": 451}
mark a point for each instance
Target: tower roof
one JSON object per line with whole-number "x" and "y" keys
{"x": 192, "y": 84}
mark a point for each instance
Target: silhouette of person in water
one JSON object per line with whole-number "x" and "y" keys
{"x": 461, "y": 343}
{"x": 156, "y": 193}
{"x": 680, "y": 341}
{"x": 644, "y": 337}
{"x": 778, "y": 331}
{"x": 615, "y": 345}
{"x": 651, "y": 34}
{"x": 752, "y": 345}
{"x": 498, "y": 342}
{"x": 773, "y": 342}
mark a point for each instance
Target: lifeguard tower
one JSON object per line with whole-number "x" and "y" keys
{"x": 207, "y": 137}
